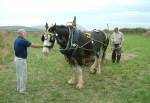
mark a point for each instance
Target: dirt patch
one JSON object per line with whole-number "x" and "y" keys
{"x": 147, "y": 33}
{"x": 3, "y": 67}
{"x": 125, "y": 56}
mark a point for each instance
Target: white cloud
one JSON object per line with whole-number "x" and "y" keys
{"x": 130, "y": 13}
{"x": 32, "y": 12}
{"x": 39, "y": 6}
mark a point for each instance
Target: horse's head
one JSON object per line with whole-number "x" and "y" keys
{"x": 58, "y": 32}
{"x": 48, "y": 39}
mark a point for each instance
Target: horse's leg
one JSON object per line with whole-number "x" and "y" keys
{"x": 72, "y": 79}
{"x": 100, "y": 60}
{"x": 98, "y": 70}
{"x": 94, "y": 66}
{"x": 80, "y": 84}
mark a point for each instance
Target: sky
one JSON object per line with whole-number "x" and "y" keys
{"x": 90, "y": 14}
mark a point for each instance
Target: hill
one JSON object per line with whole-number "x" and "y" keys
{"x": 14, "y": 28}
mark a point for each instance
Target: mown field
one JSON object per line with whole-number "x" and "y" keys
{"x": 126, "y": 82}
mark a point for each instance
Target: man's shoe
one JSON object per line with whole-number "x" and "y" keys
{"x": 22, "y": 93}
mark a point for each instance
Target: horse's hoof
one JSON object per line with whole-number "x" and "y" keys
{"x": 98, "y": 72}
{"x": 71, "y": 82}
{"x": 79, "y": 86}
{"x": 93, "y": 71}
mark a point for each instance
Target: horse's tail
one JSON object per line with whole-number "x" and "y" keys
{"x": 105, "y": 48}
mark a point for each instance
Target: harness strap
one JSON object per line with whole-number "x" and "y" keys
{"x": 71, "y": 41}
{"x": 82, "y": 46}
{"x": 67, "y": 47}
{"x": 73, "y": 36}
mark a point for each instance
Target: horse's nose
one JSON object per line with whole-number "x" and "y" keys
{"x": 46, "y": 51}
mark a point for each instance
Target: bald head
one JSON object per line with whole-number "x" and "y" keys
{"x": 21, "y": 32}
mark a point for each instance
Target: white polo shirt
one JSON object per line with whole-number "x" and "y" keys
{"x": 117, "y": 38}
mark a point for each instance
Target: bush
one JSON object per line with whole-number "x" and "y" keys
{"x": 133, "y": 30}
{"x": 6, "y": 50}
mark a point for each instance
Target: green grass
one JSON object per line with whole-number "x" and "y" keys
{"x": 126, "y": 82}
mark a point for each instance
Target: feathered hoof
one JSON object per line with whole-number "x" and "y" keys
{"x": 92, "y": 71}
{"x": 98, "y": 72}
{"x": 79, "y": 86}
{"x": 71, "y": 82}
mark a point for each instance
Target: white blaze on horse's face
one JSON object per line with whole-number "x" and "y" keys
{"x": 46, "y": 44}
{"x": 47, "y": 40}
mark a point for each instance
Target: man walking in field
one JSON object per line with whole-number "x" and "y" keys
{"x": 20, "y": 48}
{"x": 116, "y": 38}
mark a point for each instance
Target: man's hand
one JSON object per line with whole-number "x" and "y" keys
{"x": 36, "y": 46}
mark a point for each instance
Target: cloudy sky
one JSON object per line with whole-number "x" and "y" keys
{"x": 90, "y": 13}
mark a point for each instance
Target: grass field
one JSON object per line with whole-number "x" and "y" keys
{"x": 126, "y": 82}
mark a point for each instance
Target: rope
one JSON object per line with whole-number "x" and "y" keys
{"x": 82, "y": 46}
{"x": 68, "y": 40}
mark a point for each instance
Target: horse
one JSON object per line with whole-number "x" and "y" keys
{"x": 78, "y": 47}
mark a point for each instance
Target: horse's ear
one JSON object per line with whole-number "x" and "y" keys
{"x": 74, "y": 21}
{"x": 54, "y": 26}
{"x": 46, "y": 26}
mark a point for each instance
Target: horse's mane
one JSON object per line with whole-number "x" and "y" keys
{"x": 61, "y": 26}
{"x": 80, "y": 32}
{"x": 83, "y": 36}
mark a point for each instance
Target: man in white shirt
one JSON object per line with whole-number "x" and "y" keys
{"x": 116, "y": 38}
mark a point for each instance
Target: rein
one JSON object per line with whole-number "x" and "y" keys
{"x": 70, "y": 35}
{"x": 77, "y": 47}
{"x": 82, "y": 46}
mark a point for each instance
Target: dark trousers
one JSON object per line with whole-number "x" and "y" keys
{"x": 116, "y": 53}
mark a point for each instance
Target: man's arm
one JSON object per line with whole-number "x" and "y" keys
{"x": 36, "y": 46}
{"x": 122, "y": 39}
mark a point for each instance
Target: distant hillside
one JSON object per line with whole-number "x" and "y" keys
{"x": 40, "y": 27}
{"x": 14, "y": 28}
